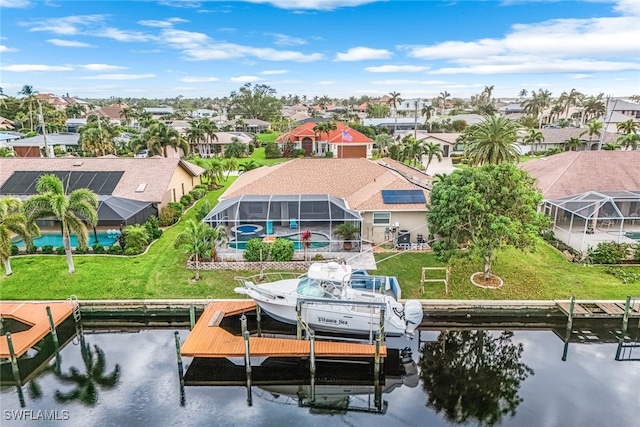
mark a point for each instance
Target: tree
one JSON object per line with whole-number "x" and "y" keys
{"x": 394, "y": 100}
{"x": 255, "y": 102}
{"x": 611, "y": 146}
{"x": 473, "y": 376}
{"x": 52, "y": 201}
{"x": 492, "y": 141}
{"x": 30, "y": 99}
{"x": 522, "y": 93}
{"x": 377, "y": 111}
{"x": 571, "y": 99}
{"x": 13, "y": 221}
{"x": 97, "y": 136}
{"x": 432, "y": 150}
{"x": 200, "y": 241}
{"x": 230, "y": 164}
{"x": 627, "y": 127}
{"x": 249, "y": 165}
{"x": 444, "y": 95}
{"x": 75, "y": 110}
{"x": 485, "y": 209}
{"x": 593, "y": 128}
{"x": 412, "y": 150}
{"x": 629, "y": 141}
{"x": 533, "y": 137}
{"x": 383, "y": 143}
{"x": 572, "y": 144}
{"x": 158, "y": 137}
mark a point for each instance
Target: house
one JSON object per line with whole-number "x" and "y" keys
{"x": 156, "y": 180}
{"x": 112, "y": 112}
{"x": 555, "y": 138}
{"x": 51, "y": 99}
{"x": 613, "y": 118}
{"x": 157, "y": 112}
{"x": 318, "y": 194}
{"x": 215, "y": 146}
{"x": 74, "y": 125}
{"x": 510, "y": 109}
{"x": 6, "y": 124}
{"x": 446, "y": 141}
{"x": 592, "y": 196}
{"x": 203, "y": 112}
{"x": 411, "y": 107}
{"x": 395, "y": 123}
{"x": 470, "y": 119}
{"x": 622, "y": 106}
{"x": 343, "y": 142}
{"x": 35, "y": 146}
{"x": 250, "y": 125}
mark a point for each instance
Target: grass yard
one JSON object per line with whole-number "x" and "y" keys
{"x": 267, "y": 137}
{"x": 258, "y": 157}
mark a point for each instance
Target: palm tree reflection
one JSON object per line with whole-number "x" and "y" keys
{"x": 473, "y": 375}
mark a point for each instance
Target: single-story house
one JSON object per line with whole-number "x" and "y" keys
{"x": 158, "y": 112}
{"x": 74, "y": 125}
{"x": 470, "y": 119}
{"x": 33, "y": 147}
{"x": 252, "y": 125}
{"x": 398, "y": 124}
{"x": 555, "y": 138}
{"x": 613, "y": 118}
{"x": 446, "y": 141}
{"x": 155, "y": 181}
{"x": 343, "y": 142}
{"x": 112, "y": 112}
{"x": 592, "y": 196}
{"x": 319, "y": 194}
{"x": 216, "y": 146}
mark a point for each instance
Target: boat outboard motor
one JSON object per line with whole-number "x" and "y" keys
{"x": 410, "y": 378}
{"x": 412, "y": 315}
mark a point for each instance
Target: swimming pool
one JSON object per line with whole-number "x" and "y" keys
{"x": 633, "y": 235}
{"x": 318, "y": 240}
{"x": 55, "y": 240}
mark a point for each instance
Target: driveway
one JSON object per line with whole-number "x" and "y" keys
{"x": 435, "y": 167}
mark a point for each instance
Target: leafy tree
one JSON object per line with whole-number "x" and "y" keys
{"x": 443, "y": 96}
{"x": 458, "y": 125}
{"x": 570, "y": 99}
{"x": 383, "y": 143}
{"x": 230, "y": 164}
{"x": 13, "y": 221}
{"x": 53, "y": 201}
{"x": 200, "y": 241}
{"x": 473, "y": 376}
{"x": 136, "y": 238}
{"x": 271, "y": 151}
{"x": 235, "y": 149}
{"x": 412, "y": 150}
{"x": 484, "y": 209}
{"x": 394, "y": 100}
{"x": 378, "y": 111}
{"x": 158, "y": 137}
{"x": 255, "y": 102}
{"x": 431, "y": 150}
{"x": 97, "y": 137}
{"x": 250, "y": 165}
{"x": 492, "y": 141}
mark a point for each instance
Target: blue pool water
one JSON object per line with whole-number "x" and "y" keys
{"x": 55, "y": 240}
{"x": 318, "y": 240}
{"x": 247, "y": 228}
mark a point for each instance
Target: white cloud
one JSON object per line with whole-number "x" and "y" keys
{"x": 400, "y": 82}
{"x": 325, "y": 83}
{"x": 195, "y": 79}
{"x": 274, "y": 72}
{"x": 118, "y": 77}
{"x": 313, "y": 4}
{"x": 285, "y": 40}
{"x": 538, "y": 66}
{"x": 245, "y": 79}
{"x": 67, "y": 25}
{"x": 102, "y": 67}
{"x": 69, "y": 43}
{"x": 25, "y": 68}
{"x": 167, "y": 23}
{"x": 361, "y": 53}
{"x": 580, "y": 76}
{"x": 123, "y": 35}
{"x": 5, "y": 49}
{"x": 628, "y": 7}
{"x": 16, "y": 4}
{"x": 185, "y": 4}
{"x": 397, "y": 69}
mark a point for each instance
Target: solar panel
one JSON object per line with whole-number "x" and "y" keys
{"x": 403, "y": 196}
{"x": 101, "y": 183}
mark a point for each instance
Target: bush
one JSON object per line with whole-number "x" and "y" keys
{"x": 201, "y": 186}
{"x": 299, "y": 152}
{"x": 282, "y": 250}
{"x": 169, "y": 215}
{"x": 32, "y": 249}
{"x": 271, "y": 151}
{"x": 625, "y": 275}
{"x": 252, "y": 253}
{"x": 82, "y": 250}
{"x": 153, "y": 228}
{"x": 176, "y": 205}
{"x": 14, "y": 250}
{"x": 60, "y": 250}
{"x": 136, "y": 239}
{"x": 47, "y": 249}
{"x": 317, "y": 257}
{"x": 203, "y": 210}
{"x": 198, "y": 193}
{"x": 609, "y": 253}
{"x": 186, "y": 200}
{"x": 98, "y": 248}
{"x": 115, "y": 250}
{"x": 329, "y": 154}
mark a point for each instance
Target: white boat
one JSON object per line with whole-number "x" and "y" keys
{"x": 332, "y": 299}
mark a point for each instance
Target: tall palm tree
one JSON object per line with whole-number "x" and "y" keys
{"x": 30, "y": 99}
{"x": 200, "y": 241}
{"x": 432, "y": 150}
{"x": 629, "y": 141}
{"x": 230, "y": 164}
{"x": 523, "y": 93}
{"x": 570, "y": 99}
{"x": 533, "y": 137}
{"x": 572, "y": 144}
{"x": 53, "y": 201}
{"x": 493, "y": 141}
{"x": 594, "y": 127}
{"x": 593, "y": 106}
{"x": 383, "y": 141}
{"x": 428, "y": 111}
{"x": 13, "y": 221}
{"x": 159, "y": 136}
{"x": 629, "y": 126}
{"x": 394, "y": 100}
{"x": 487, "y": 92}
{"x": 329, "y": 127}
{"x": 412, "y": 150}
{"x": 444, "y": 95}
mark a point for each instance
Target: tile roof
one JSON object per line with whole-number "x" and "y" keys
{"x": 576, "y": 172}
{"x": 558, "y": 136}
{"x": 358, "y": 181}
{"x": 306, "y": 129}
{"x": 155, "y": 172}
{"x": 411, "y": 173}
{"x": 112, "y": 111}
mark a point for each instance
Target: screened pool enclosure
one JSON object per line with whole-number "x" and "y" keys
{"x": 586, "y": 219}
{"x": 272, "y": 216}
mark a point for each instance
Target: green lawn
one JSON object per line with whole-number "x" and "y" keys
{"x": 258, "y": 156}
{"x": 161, "y": 273}
{"x": 267, "y": 137}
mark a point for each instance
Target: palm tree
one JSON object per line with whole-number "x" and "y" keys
{"x": 159, "y": 136}
{"x": 486, "y": 93}
{"x": 611, "y": 146}
{"x": 432, "y": 150}
{"x": 493, "y": 141}
{"x": 128, "y": 114}
{"x": 249, "y": 165}
{"x": 593, "y": 106}
{"x": 53, "y": 201}
{"x": 394, "y": 100}
{"x": 230, "y": 164}
{"x": 593, "y": 128}
{"x": 572, "y": 144}
{"x": 13, "y": 221}
{"x": 87, "y": 384}
{"x": 29, "y": 99}
{"x": 629, "y": 140}
{"x": 428, "y": 111}
{"x": 75, "y": 110}
{"x": 412, "y": 150}
{"x": 533, "y": 137}
{"x": 200, "y": 241}
{"x": 627, "y": 127}
{"x": 523, "y": 93}
{"x": 567, "y": 100}
{"x": 383, "y": 141}
{"x": 444, "y": 95}
{"x": 329, "y": 127}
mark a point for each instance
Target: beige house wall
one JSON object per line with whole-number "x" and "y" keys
{"x": 181, "y": 183}
{"x": 414, "y": 222}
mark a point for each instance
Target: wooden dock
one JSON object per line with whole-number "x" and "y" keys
{"x": 208, "y": 339}
{"x": 598, "y": 309}
{"x": 33, "y": 314}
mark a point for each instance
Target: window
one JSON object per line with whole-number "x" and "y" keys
{"x": 381, "y": 218}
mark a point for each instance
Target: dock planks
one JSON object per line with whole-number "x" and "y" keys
{"x": 33, "y": 314}
{"x": 599, "y": 309}
{"x": 209, "y": 340}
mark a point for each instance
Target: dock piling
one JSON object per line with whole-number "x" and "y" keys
{"x": 572, "y": 304}
{"x": 180, "y": 368}
{"x": 192, "y": 317}
{"x": 299, "y": 321}
{"x": 258, "y": 319}
{"x": 15, "y": 370}
{"x": 312, "y": 363}
{"x": 247, "y": 361}
{"x": 52, "y": 326}
{"x": 625, "y": 316}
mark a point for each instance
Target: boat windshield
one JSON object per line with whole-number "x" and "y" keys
{"x": 317, "y": 289}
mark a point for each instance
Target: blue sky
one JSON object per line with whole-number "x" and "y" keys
{"x": 319, "y": 47}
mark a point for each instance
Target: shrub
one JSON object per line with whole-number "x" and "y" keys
{"x": 14, "y": 250}
{"x": 32, "y": 249}
{"x": 282, "y": 250}
{"x": 98, "y": 248}
{"x": 271, "y": 151}
{"x": 153, "y": 228}
{"x": 625, "y": 275}
{"x": 82, "y": 250}
{"x": 329, "y": 154}
{"x": 299, "y": 152}
{"x": 169, "y": 215}
{"x": 252, "y": 253}
{"x": 60, "y": 250}
{"x": 114, "y": 250}
{"x": 609, "y": 253}
{"x": 186, "y": 200}
{"x": 318, "y": 257}
{"x": 136, "y": 239}
{"x": 47, "y": 249}
{"x": 176, "y": 205}
{"x": 198, "y": 193}
{"x": 201, "y": 186}
{"x": 203, "y": 210}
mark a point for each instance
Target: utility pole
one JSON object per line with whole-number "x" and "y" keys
{"x": 415, "y": 124}
{"x": 44, "y": 131}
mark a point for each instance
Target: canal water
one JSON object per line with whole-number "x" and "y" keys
{"x": 128, "y": 376}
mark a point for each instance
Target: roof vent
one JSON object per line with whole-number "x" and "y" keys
{"x": 141, "y": 188}
{"x": 77, "y": 163}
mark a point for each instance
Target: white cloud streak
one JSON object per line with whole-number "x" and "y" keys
{"x": 68, "y": 43}
{"x": 324, "y": 5}
{"x": 102, "y": 67}
{"x": 273, "y": 72}
{"x": 245, "y": 79}
{"x": 196, "y": 79}
{"x": 118, "y": 77}
{"x": 167, "y": 23}
{"x": 285, "y": 40}
{"x": 397, "y": 69}
{"x": 7, "y": 49}
{"x": 361, "y": 53}
{"x": 25, "y": 68}
{"x": 15, "y": 4}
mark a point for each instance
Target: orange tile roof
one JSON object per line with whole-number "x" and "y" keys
{"x": 358, "y": 181}
{"x": 306, "y": 130}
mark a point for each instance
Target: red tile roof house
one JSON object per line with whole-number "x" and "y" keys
{"x": 343, "y": 142}
{"x": 321, "y": 193}
{"x": 591, "y": 196}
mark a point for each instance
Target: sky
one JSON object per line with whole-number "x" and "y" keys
{"x": 338, "y": 48}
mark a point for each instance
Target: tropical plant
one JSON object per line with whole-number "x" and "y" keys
{"x": 627, "y": 127}
{"x": 394, "y": 100}
{"x": 136, "y": 238}
{"x": 230, "y": 164}
{"x": 282, "y": 250}
{"x": 383, "y": 143}
{"x": 611, "y": 146}
{"x": 492, "y": 141}
{"x": 6, "y": 152}
{"x": 249, "y": 165}
{"x": 534, "y": 137}
{"x": 200, "y": 241}
{"x": 594, "y": 127}
{"x": 158, "y": 137}
{"x": 305, "y": 238}
{"x": 572, "y": 144}
{"x": 347, "y": 232}
{"x": 72, "y": 210}
{"x": 629, "y": 141}
{"x": 29, "y": 99}
{"x": 570, "y": 99}
{"x": 432, "y": 150}
{"x": 13, "y": 221}
{"x": 444, "y": 95}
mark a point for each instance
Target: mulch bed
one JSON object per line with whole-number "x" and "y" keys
{"x": 494, "y": 282}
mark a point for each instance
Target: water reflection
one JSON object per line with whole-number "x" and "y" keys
{"x": 473, "y": 375}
